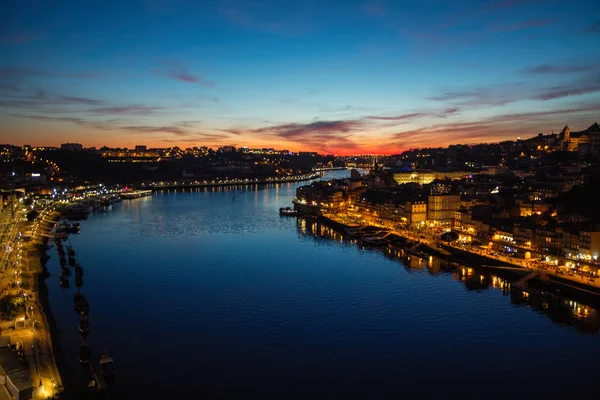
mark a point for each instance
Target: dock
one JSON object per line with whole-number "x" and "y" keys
{"x": 134, "y": 194}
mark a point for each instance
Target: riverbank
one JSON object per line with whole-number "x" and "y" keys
{"x": 231, "y": 182}
{"x": 47, "y": 343}
{"x": 511, "y": 270}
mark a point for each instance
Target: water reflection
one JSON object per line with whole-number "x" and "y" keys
{"x": 561, "y": 310}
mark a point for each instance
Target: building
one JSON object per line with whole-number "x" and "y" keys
{"x": 14, "y": 375}
{"x": 441, "y": 208}
{"x": 71, "y": 146}
{"x": 426, "y": 177}
{"x": 415, "y": 212}
{"x": 576, "y": 141}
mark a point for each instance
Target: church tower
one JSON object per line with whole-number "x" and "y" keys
{"x": 565, "y": 137}
{"x": 565, "y": 134}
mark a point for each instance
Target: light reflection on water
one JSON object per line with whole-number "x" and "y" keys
{"x": 211, "y": 292}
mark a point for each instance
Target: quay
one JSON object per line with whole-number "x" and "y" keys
{"x": 232, "y": 182}
{"x": 419, "y": 247}
{"x": 134, "y": 194}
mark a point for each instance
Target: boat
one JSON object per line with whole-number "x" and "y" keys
{"x": 84, "y": 326}
{"x": 70, "y": 251}
{"x": 107, "y": 366}
{"x": 62, "y": 260}
{"x": 73, "y": 228}
{"x": 81, "y": 303}
{"x": 287, "y": 211}
{"x": 66, "y": 271}
{"x": 84, "y": 353}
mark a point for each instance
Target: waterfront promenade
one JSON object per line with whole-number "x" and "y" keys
{"x": 164, "y": 185}
{"x": 21, "y": 268}
{"x": 432, "y": 241}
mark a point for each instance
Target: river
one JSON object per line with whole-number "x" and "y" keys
{"x": 212, "y": 293}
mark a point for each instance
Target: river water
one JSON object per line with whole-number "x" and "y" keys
{"x": 210, "y": 293}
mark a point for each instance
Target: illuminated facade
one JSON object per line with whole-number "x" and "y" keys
{"x": 426, "y": 177}
{"x": 441, "y": 208}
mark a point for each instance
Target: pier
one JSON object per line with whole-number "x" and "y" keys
{"x": 134, "y": 194}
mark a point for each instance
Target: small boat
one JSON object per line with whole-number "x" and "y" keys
{"x": 81, "y": 303}
{"x": 66, "y": 271}
{"x": 64, "y": 282}
{"x": 84, "y": 353}
{"x": 70, "y": 251}
{"x": 84, "y": 326}
{"x": 72, "y": 261}
{"x": 107, "y": 366}
{"x": 62, "y": 260}
{"x": 287, "y": 211}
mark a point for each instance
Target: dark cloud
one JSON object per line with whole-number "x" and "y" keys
{"x": 558, "y": 69}
{"x": 412, "y": 116}
{"x": 19, "y": 72}
{"x": 528, "y": 24}
{"x": 129, "y": 110}
{"x": 292, "y": 20}
{"x": 78, "y": 100}
{"x": 496, "y": 128}
{"x": 188, "y": 124}
{"x": 180, "y": 72}
{"x": 491, "y": 96}
{"x": 76, "y": 121}
{"x": 557, "y": 92}
{"x": 297, "y": 131}
{"x": 593, "y": 28}
{"x": 233, "y": 131}
{"x": 322, "y": 135}
{"x": 375, "y": 7}
{"x": 400, "y": 117}
{"x": 10, "y": 87}
{"x": 500, "y": 95}
{"x": 40, "y": 100}
{"x": 19, "y": 38}
{"x": 174, "y": 130}
{"x": 25, "y": 72}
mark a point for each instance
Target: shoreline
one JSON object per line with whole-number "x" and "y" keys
{"x": 552, "y": 286}
{"x": 52, "y": 334}
{"x": 191, "y": 185}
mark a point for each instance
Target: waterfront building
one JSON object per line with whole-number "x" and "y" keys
{"x": 441, "y": 208}
{"x": 415, "y": 212}
{"x": 426, "y": 177}
{"x": 14, "y": 375}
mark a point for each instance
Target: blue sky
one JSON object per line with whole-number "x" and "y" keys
{"x": 329, "y": 76}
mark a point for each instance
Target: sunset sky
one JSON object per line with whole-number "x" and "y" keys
{"x": 329, "y": 76}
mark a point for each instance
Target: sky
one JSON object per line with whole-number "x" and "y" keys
{"x": 336, "y": 77}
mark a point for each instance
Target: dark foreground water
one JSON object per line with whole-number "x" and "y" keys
{"x": 211, "y": 294}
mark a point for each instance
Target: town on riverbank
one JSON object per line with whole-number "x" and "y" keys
{"x": 535, "y": 211}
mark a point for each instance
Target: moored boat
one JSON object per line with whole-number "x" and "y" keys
{"x": 107, "y": 366}
{"x": 84, "y": 353}
{"x": 81, "y": 303}
{"x": 287, "y": 211}
{"x": 84, "y": 326}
